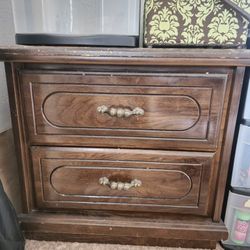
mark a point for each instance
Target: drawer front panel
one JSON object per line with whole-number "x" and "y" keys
{"x": 156, "y": 110}
{"x": 80, "y": 111}
{"x": 130, "y": 180}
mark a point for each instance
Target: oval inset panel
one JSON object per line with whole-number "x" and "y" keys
{"x": 156, "y": 183}
{"x": 162, "y": 112}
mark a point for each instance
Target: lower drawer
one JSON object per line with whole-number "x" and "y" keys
{"x": 121, "y": 179}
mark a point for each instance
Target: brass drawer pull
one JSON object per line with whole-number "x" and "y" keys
{"x": 120, "y": 112}
{"x": 119, "y": 185}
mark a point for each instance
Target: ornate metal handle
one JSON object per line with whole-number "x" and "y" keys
{"x": 119, "y": 185}
{"x": 120, "y": 112}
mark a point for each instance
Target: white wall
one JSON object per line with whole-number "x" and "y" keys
{"x": 7, "y": 37}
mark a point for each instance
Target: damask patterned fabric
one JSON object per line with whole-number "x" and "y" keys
{"x": 244, "y": 4}
{"x": 194, "y": 23}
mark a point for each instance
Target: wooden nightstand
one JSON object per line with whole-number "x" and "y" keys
{"x": 124, "y": 145}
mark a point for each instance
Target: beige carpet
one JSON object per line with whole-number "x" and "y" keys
{"x": 45, "y": 245}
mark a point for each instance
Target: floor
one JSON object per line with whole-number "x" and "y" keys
{"x": 45, "y": 245}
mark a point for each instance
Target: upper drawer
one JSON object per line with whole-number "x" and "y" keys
{"x": 146, "y": 111}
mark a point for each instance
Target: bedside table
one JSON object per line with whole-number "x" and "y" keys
{"x": 128, "y": 146}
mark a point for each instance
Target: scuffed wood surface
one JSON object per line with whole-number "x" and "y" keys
{"x": 135, "y": 56}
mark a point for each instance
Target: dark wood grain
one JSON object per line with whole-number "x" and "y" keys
{"x": 21, "y": 143}
{"x": 64, "y": 146}
{"x": 179, "y": 232}
{"x": 180, "y": 110}
{"x": 171, "y": 181}
{"x": 228, "y": 141}
{"x": 124, "y": 56}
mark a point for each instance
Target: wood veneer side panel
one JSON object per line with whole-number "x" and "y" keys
{"x": 20, "y": 136}
{"x": 220, "y": 136}
{"x": 228, "y": 140}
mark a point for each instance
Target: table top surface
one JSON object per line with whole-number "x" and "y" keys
{"x": 134, "y": 56}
